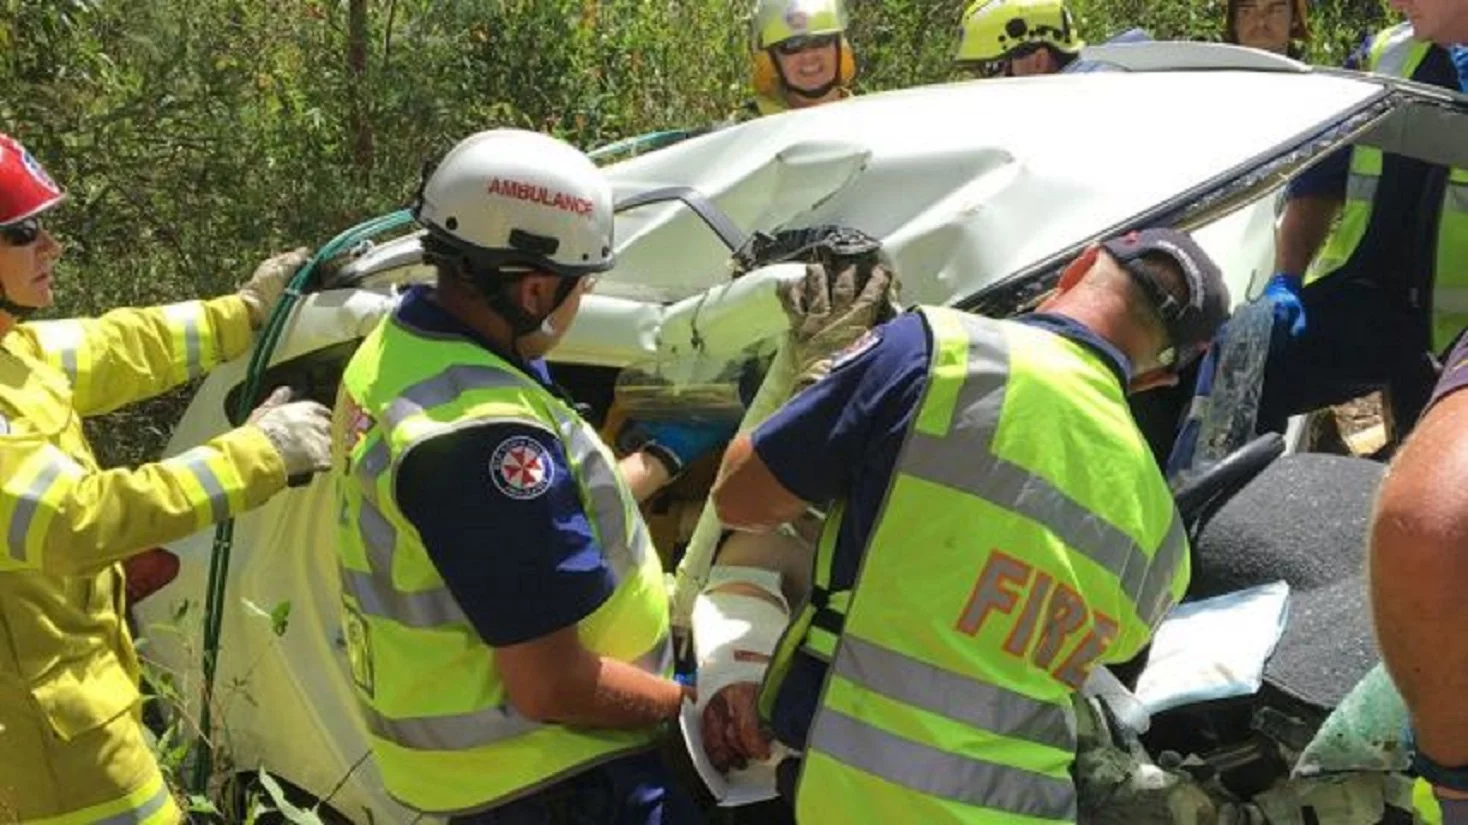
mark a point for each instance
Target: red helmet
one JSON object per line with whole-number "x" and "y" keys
{"x": 25, "y": 188}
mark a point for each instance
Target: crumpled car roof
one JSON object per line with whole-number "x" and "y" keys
{"x": 966, "y": 183}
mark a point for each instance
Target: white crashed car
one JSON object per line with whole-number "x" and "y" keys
{"x": 979, "y": 192}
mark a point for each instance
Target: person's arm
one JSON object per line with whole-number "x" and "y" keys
{"x": 523, "y": 561}
{"x": 736, "y": 626}
{"x": 1303, "y": 227}
{"x": 64, "y": 519}
{"x": 644, "y": 474}
{"x": 1314, "y": 200}
{"x": 554, "y": 678}
{"x": 809, "y": 449}
{"x": 1419, "y": 571}
{"x": 128, "y": 355}
{"x": 748, "y": 496}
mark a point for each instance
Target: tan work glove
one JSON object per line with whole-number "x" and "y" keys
{"x": 265, "y": 287}
{"x": 300, "y": 431}
{"x": 828, "y": 314}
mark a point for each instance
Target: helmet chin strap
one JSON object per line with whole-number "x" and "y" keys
{"x": 810, "y": 94}
{"x": 14, "y": 310}
{"x": 563, "y": 291}
{"x": 521, "y": 322}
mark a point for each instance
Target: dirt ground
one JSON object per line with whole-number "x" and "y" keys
{"x": 1359, "y": 427}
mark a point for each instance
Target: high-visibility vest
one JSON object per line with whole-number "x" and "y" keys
{"x": 150, "y": 804}
{"x": 442, "y": 729}
{"x": 72, "y": 751}
{"x": 1026, "y": 536}
{"x": 1397, "y": 53}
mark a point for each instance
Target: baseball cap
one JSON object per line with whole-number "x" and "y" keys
{"x": 1192, "y": 322}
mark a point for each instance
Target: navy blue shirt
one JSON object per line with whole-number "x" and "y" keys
{"x": 500, "y": 513}
{"x": 1084, "y": 66}
{"x": 840, "y": 439}
{"x": 1401, "y": 241}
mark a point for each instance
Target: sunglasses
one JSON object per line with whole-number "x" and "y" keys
{"x": 795, "y": 45}
{"x": 23, "y": 233}
{"x": 1004, "y": 66}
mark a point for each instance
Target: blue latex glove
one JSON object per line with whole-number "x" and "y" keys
{"x": 1283, "y": 294}
{"x": 680, "y": 443}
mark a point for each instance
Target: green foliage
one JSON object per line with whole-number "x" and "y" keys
{"x": 279, "y": 616}
{"x": 233, "y": 794}
{"x": 291, "y": 812}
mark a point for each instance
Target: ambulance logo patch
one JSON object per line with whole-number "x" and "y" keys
{"x": 520, "y": 468}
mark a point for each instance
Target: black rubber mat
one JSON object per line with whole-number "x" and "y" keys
{"x": 1304, "y": 520}
{"x": 1328, "y": 645}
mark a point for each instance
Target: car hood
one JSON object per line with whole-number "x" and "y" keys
{"x": 966, "y": 183}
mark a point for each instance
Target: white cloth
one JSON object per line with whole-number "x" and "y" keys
{"x": 723, "y": 624}
{"x": 1214, "y": 648}
{"x": 728, "y": 624}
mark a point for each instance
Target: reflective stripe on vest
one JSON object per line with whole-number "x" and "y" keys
{"x": 1395, "y": 52}
{"x": 464, "y": 731}
{"x": 444, "y": 734}
{"x": 150, "y": 804}
{"x": 955, "y": 731}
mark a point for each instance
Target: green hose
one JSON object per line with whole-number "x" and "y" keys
{"x": 265, "y": 344}
{"x": 642, "y": 143}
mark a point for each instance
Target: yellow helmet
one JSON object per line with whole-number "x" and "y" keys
{"x": 780, "y": 21}
{"x": 993, "y": 29}
{"x": 776, "y": 21}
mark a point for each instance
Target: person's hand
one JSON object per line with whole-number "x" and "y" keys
{"x": 300, "y": 431}
{"x": 680, "y": 443}
{"x": 263, "y": 290}
{"x": 732, "y": 734}
{"x": 830, "y": 312}
{"x": 1283, "y": 294}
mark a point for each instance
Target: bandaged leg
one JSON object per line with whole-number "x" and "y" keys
{"x": 737, "y": 621}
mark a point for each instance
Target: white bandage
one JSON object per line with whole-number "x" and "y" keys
{"x": 735, "y": 634}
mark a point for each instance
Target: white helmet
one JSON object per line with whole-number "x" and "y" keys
{"x": 517, "y": 200}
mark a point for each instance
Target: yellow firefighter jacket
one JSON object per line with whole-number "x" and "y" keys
{"x": 71, "y": 747}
